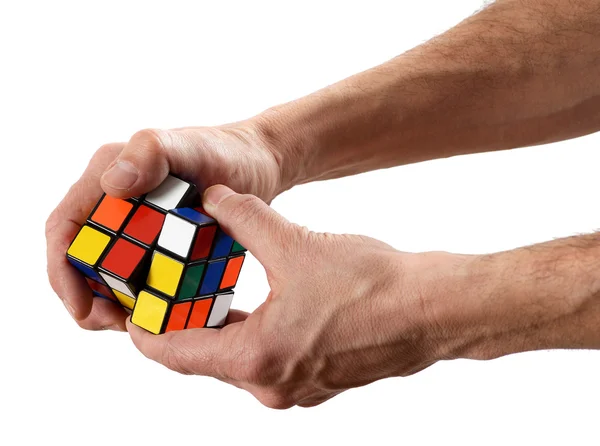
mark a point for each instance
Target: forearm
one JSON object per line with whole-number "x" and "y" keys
{"x": 546, "y": 296}
{"x": 518, "y": 73}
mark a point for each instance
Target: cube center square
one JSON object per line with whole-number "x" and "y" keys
{"x": 177, "y": 236}
{"x": 123, "y": 258}
{"x": 160, "y": 257}
{"x": 187, "y": 234}
{"x": 145, "y": 225}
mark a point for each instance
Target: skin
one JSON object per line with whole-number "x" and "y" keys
{"x": 518, "y": 73}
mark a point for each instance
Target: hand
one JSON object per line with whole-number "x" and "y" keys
{"x": 343, "y": 311}
{"x": 237, "y": 155}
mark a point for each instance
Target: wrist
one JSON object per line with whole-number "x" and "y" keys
{"x": 286, "y": 143}
{"x": 544, "y": 297}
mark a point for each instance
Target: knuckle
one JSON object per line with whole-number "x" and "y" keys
{"x": 275, "y": 399}
{"x": 263, "y": 367}
{"x": 106, "y": 153}
{"x": 148, "y": 141}
{"x": 107, "y": 149}
{"x": 51, "y": 222}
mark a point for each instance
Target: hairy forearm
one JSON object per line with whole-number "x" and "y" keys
{"x": 545, "y": 296}
{"x": 518, "y": 73}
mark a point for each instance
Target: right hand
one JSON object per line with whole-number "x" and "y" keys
{"x": 342, "y": 311}
{"x": 237, "y": 155}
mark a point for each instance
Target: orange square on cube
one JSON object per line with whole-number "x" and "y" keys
{"x": 111, "y": 212}
{"x": 178, "y": 317}
{"x": 199, "y": 313}
{"x": 232, "y": 272}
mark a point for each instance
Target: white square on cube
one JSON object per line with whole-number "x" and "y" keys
{"x": 117, "y": 285}
{"x": 219, "y": 310}
{"x": 169, "y": 194}
{"x": 177, "y": 235}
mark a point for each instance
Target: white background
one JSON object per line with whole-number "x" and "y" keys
{"x": 74, "y": 76}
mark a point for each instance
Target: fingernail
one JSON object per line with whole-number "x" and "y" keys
{"x": 69, "y": 308}
{"x": 122, "y": 175}
{"x": 214, "y": 195}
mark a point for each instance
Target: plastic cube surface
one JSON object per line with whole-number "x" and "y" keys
{"x": 161, "y": 257}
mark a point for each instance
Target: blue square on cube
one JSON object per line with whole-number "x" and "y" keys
{"x": 222, "y": 245}
{"x": 87, "y": 271}
{"x": 193, "y": 215}
{"x": 212, "y": 277}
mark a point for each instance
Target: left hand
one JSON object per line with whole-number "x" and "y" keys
{"x": 237, "y": 154}
{"x": 343, "y": 311}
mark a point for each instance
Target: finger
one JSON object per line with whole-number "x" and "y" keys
{"x": 62, "y": 226}
{"x": 147, "y": 159}
{"x": 251, "y": 222}
{"x": 105, "y": 315}
{"x": 192, "y": 351}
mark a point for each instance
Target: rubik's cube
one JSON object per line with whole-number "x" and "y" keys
{"x": 161, "y": 257}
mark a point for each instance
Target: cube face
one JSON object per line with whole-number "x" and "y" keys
{"x": 213, "y": 276}
{"x": 237, "y": 248}
{"x": 165, "y": 274}
{"x": 187, "y": 234}
{"x": 194, "y": 215}
{"x": 110, "y": 213}
{"x": 220, "y": 309}
{"x": 150, "y": 312}
{"x": 177, "y": 236}
{"x": 161, "y": 257}
{"x": 145, "y": 225}
{"x": 191, "y": 281}
{"x": 179, "y": 316}
{"x": 123, "y": 259}
{"x": 119, "y": 285}
{"x": 172, "y": 193}
{"x": 125, "y": 300}
{"x": 222, "y": 245}
{"x": 89, "y": 245}
{"x": 203, "y": 243}
{"x": 232, "y": 272}
{"x": 199, "y": 313}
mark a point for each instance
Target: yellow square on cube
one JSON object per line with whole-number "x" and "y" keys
{"x": 125, "y": 300}
{"x": 89, "y": 245}
{"x": 164, "y": 274}
{"x": 149, "y": 312}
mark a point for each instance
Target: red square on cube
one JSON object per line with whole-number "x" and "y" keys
{"x": 203, "y": 242}
{"x": 123, "y": 258}
{"x": 145, "y": 225}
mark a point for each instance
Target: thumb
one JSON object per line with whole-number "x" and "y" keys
{"x": 251, "y": 222}
{"x": 144, "y": 163}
